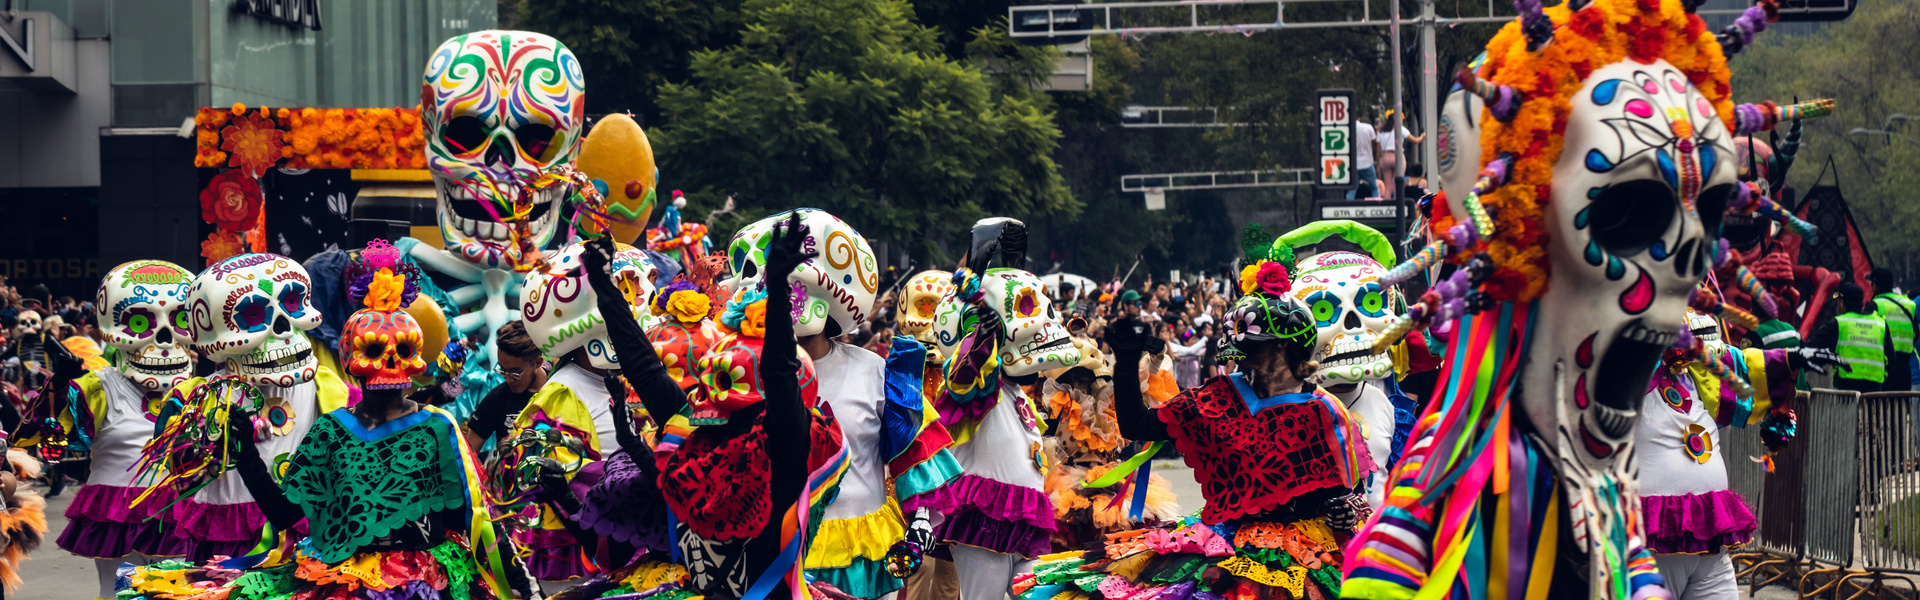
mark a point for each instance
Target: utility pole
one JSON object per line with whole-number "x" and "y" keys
{"x": 1393, "y": 133}
{"x": 1429, "y": 93}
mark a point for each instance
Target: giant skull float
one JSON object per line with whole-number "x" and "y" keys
{"x": 561, "y": 310}
{"x": 1031, "y": 336}
{"x": 251, "y": 313}
{"x": 143, "y": 314}
{"x": 1607, "y": 153}
{"x": 838, "y": 285}
{"x": 1351, "y": 308}
{"x": 501, "y": 110}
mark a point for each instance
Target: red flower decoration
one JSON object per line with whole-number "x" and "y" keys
{"x": 231, "y": 201}
{"x": 253, "y": 143}
{"x": 1273, "y": 279}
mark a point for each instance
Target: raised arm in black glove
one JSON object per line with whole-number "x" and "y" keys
{"x": 1131, "y": 338}
{"x": 280, "y": 511}
{"x": 787, "y": 424}
{"x": 1818, "y": 360}
{"x": 638, "y": 360}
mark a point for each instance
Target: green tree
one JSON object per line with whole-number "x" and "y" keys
{"x": 849, "y": 106}
{"x": 629, "y": 48}
{"x": 1866, "y": 65}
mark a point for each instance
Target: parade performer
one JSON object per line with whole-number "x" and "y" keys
{"x": 1693, "y": 518}
{"x": 1569, "y": 287}
{"x": 1279, "y": 461}
{"x": 249, "y": 314}
{"x": 144, "y": 315}
{"x": 579, "y": 417}
{"x": 896, "y": 446}
{"x": 1003, "y": 334}
{"x": 1092, "y": 483}
{"x": 23, "y": 517}
{"x": 388, "y": 487}
{"x": 1351, "y": 310}
{"x": 749, "y": 484}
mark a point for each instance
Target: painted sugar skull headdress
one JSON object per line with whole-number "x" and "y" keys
{"x": 561, "y": 310}
{"x": 381, "y": 343}
{"x": 1032, "y": 338}
{"x": 143, "y": 314}
{"x": 920, "y": 301}
{"x": 838, "y": 285}
{"x": 1339, "y": 281}
{"x": 1607, "y": 165}
{"x": 504, "y": 112}
{"x": 684, "y": 334}
{"x": 729, "y": 373}
{"x": 251, "y": 313}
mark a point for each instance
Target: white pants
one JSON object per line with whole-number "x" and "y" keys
{"x": 1695, "y": 577}
{"x": 985, "y": 574}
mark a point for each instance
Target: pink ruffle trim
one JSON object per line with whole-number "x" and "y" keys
{"x": 997, "y": 500}
{"x": 219, "y": 522}
{"x": 110, "y": 503}
{"x": 1698, "y": 523}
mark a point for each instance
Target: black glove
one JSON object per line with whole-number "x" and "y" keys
{"x": 597, "y": 257}
{"x": 1129, "y": 334}
{"x": 1818, "y": 360}
{"x": 904, "y": 558}
{"x": 61, "y": 362}
{"x": 985, "y": 321}
{"x": 549, "y": 480}
{"x": 1347, "y": 511}
{"x": 788, "y": 248}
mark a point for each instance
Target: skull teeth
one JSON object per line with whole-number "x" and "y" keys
{"x": 1641, "y": 333}
{"x": 1352, "y": 352}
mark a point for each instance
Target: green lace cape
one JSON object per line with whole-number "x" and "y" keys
{"x": 358, "y": 485}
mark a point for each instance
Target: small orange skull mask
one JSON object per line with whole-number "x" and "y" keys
{"x": 383, "y": 348}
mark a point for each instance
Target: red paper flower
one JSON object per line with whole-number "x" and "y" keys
{"x": 231, "y": 201}
{"x": 1273, "y": 279}
{"x": 253, "y": 142}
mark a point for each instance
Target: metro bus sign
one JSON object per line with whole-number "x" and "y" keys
{"x": 1334, "y": 109}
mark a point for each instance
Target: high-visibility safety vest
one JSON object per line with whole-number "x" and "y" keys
{"x": 1897, "y": 310}
{"x": 1775, "y": 333}
{"x": 1862, "y": 347}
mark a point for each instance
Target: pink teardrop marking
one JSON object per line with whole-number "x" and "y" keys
{"x": 1639, "y": 108}
{"x": 1639, "y": 296}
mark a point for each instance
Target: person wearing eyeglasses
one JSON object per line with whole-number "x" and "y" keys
{"x": 523, "y": 373}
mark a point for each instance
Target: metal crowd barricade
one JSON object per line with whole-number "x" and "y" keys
{"x": 1887, "y": 504}
{"x": 1777, "y": 553}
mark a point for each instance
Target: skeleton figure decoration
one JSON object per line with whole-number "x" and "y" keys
{"x": 1606, "y": 152}
{"x": 839, "y": 285}
{"x": 504, "y": 113}
{"x": 143, "y": 315}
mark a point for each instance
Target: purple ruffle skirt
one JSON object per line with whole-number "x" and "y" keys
{"x": 1698, "y": 523}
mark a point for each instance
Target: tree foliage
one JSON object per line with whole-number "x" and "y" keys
{"x": 849, "y": 106}
{"x": 1866, "y": 64}
{"x": 629, "y": 48}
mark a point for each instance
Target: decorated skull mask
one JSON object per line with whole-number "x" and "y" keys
{"x": 27, "y": 322}
{"x": 500, "y": 110}
{"x": 251, "y": 313}
{"x": 681, "y": 345}
{"x": 561, "y": 311}
{"x": 920, "y": 301}
{"x": 142, "y": 311}
{"x": 383, "y": 348}
{"x": 1350, "y": 311}
{"x": 1032, "y": 338}
{"x": 1637, "y": 197}
{"x": 730, "y": 379}
{"x": 839, "y": 284}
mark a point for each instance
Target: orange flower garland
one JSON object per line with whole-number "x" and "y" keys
{"x": 1604, "y": 33}
{"x": 310, "y": 138}
{"x": 221, "y": 245}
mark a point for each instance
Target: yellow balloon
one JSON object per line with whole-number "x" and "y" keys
{"x": 616, "y": 153}
{"x": 433, "y": 327}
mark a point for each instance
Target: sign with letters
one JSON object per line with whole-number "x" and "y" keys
{"x": 1334, "y": 109}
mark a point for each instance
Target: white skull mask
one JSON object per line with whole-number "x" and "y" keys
{"x": 1704, "y": 328}
{"x": 1350, "y": 310}
{"x": 27, "y": 323}
{"x": 839, "y": 284}
{"x": 1032, "y": 338}
{"x": 562, "y": 313}
{"x": 142, "y": 312}
{"x": 920, "y": 300}
{"x": 1638, "y": 194}
{"x": 251, "y": 312}
{"x": 500, "y": 109}
{"x": 1458, "y": 147}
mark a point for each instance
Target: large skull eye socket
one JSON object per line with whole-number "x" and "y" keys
{"x": 465, "y": 135}
{"x": 536, "y": 140}
{"x": 182, "y": 320}
{"x": 1713, "y": 206}
{"x": 1325, "y": 307}
{"x": 138, "y": 322}
{"x": 1373, "y": 304}
{"x": 403, "y": 350}
{"x": 293, "y": 300}
{"x": 1627, "y": 218}
{"x": 373, "y": 350}
{"x": 251, "y": 314}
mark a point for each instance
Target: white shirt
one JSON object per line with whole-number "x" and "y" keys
{"x": 1004, "y": 447}
{"x": 1371, "y": 407}
{"x": 304, "y": 400}
{"x": 853, "y": 381}
{"x": 122, "y": 433}
{"x": 1363, "y": 136}
{"x": 1389, "y": 142}
{"x": 591, "y": 389}
{"x": 1660, "y": 438}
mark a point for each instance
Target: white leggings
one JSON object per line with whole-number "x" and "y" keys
{"x": 1696, "y": 577}
{"x": 985, "y": 574}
